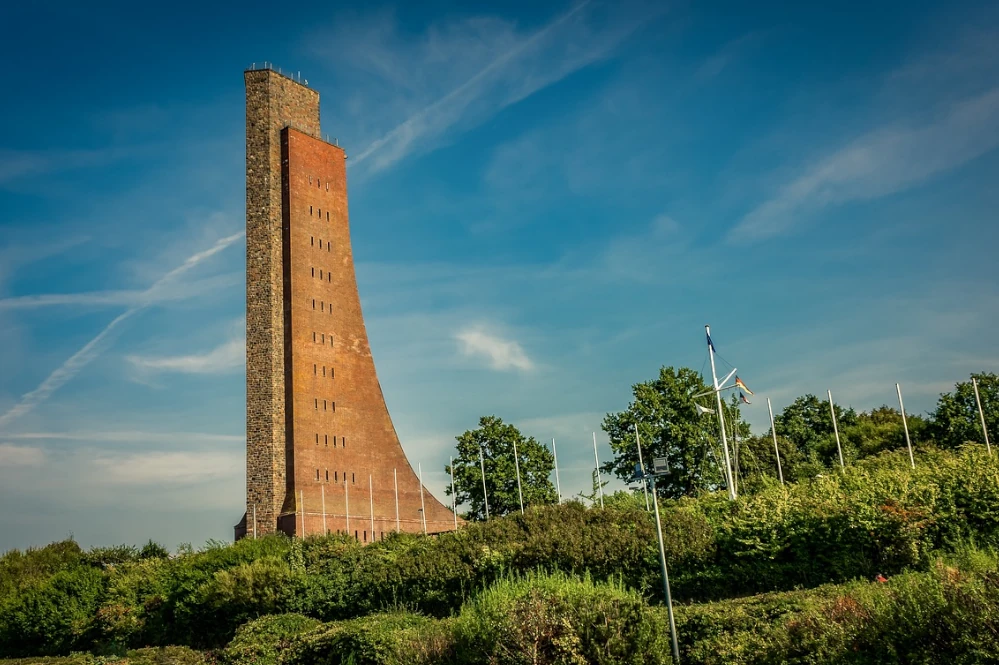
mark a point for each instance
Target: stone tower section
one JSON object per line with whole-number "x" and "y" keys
{"x": 321, "y": 451}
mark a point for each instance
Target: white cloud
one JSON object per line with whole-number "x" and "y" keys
{"x": 882, "y": 162}
{"x": 478, "y": 67}
{"x": 92, "y": 349}
{"x": 224, "y": 358}
{"x": 162, "y": 468}
{"x": 20, "y": 456}
{"x": 502, "y": 354}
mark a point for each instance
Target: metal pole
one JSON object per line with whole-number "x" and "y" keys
{"x": 301, "y": 496}
{"x": 641, "y": 466}
{"x": 423, "y": 508}
{"x": 905, "y": 425}
{"x": 832, "y": 410}
{"x": 454, "y": 497}
{"x": 662, "y": 564}
{"x": 395, "y": 481}
{"x": 773, "y": 430}
{"x": 981, "y": 414}
{"x": 516, "y": 464}
{"x": 721, "y": 420}
{"x": 485, "y": 494}
{"x": 346, "y": 503}
{"x": 597, "y": 463}
{"x": 254, "y": 521}
{"x": 558, "y": 485}
{"x": 326, "y": 530}
{"x": 371, "y": 507}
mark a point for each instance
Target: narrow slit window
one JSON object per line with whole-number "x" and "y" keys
{"x": 320, "y": 273}
{"x": 320, "y": 243}
{"x": 317, "y": 474}
{"x": 324, "y": 338}
{"x": 317, "y": 438}
{"x": 333, "y": 408}
{"x": 324, "y": 370}
{"x": 315, "y": 369}
{"x": 365, "y": 535}
{"x": 320, "y": 212}
{"x": 317, "y": 403}
{"x": 313, "y": 303}
{"x": 327, "y": 215}
{"x": 312, "y": 240}
{"x": 326, "y": 439}
{"x": 336, "y": 476}
{"x": 327, "y": 247}
{"x": 324, "y": 405}
{"x": 313, "y": 272}
{"x": 351, "y": 477}
{"x": 329, "y": 277}
{"x": 310, "y": 210}
{"x": 327, "y": 475}
{"x": 313, "y": 335}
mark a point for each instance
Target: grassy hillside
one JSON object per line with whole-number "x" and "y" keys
{"x": 567, "y": 583}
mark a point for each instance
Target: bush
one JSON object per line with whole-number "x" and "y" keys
{"x": 263, "y": 640}
{"x": 396, "y": 638}
{"x": 559, "y": 619}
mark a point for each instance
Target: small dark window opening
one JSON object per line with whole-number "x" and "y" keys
{"x": 313, "y": 272}
{"x": 317, "y": 403}
{"x": 317, "y": 438}
{"x": 310, "y": 210}
{"x": 312, "y": 240}
{"x": 313, "y": 335}
{"x": 313, "y": 303}
{"x": 317, "y": 474}
{"x": 326, "y": 439}
{"x": 351, "y": 477}
{"x": 327, "y": 215}
{"x": 327, "y": 475}
{"x": 315, "y": 369}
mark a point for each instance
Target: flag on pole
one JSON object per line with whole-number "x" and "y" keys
{"x": 710, "y": 343}
{"x": 743, "y": 398}
{"x": 742, "y": 385}
{"x": 701, "y": 410}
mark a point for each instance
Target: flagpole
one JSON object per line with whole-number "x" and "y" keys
{"x": 516, "y": 464}
{"x": 981, "y": 414}
{"x": 641, "y": 465}
{"x": 597, "y": 462}
{"x": 558, "y": 485}
{"x": 721, "y": 420}
{"x": 839, "y": 448}
{"x": 395, "y": 482}
{"x": 485, "y": 493}
{"x": 773, "y": 430}
{"x": 322, "y": 488}
{"x": 454, "y": 497}
{"x": 423, "y": 508}
{"x": 735, "y": 455}
{"x": 905, "y": 425}
{"x": 371, "y": 507}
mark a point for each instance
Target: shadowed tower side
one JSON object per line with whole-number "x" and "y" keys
{"x": 322, "y": 453}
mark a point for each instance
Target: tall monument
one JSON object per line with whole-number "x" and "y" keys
{"x": 321, "y": 451}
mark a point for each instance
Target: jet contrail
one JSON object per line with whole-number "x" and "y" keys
{"x": 93, "y": 348}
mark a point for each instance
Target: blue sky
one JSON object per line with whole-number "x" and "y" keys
{"x": 547, "y": 204}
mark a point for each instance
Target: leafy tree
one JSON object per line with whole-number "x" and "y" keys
{"x": 670, "y": 426}
{"x": 808, "y": 425}
{"x": 956, "y": 420}
{"x": 495, "y": 439}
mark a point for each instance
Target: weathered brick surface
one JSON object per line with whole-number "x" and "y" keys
{"x": 317, "y": 423}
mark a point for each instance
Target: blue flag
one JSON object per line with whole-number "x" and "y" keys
{"x": 710, "y": 344}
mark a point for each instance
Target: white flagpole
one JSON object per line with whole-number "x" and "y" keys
{"x": 773, "y": 430}
{"x": 516, "y": 464}
{"x": 371, "y": 507}
{"x": 596, "y": 461}
{"x": 485, "y": 493}
{"x": 423, "y": 508}
{"x": 721, "y": 419}
{"x": 395, "y": 481}
{"x": 326, "y": 531}
{"x": 905, "y": 425}
{"x": 641, "y": 465}
{"x": 454, "y": 497}
{"x": 558, "y": 485}
{"x": 301, "y": 497}
{"x": 346, "y": 503}
{"x": 839, "y": 448}
{"x": 981, "y": 414}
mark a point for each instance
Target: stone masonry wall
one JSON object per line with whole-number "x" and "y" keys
{"x": 273, "y": 102}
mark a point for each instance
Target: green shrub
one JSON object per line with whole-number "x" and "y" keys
{"x": 261, "y": 641}
{"x": 396, "y": 638}
{"x": 559, "y": 619}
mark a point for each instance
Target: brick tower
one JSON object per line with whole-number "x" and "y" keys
{"x": 318, "y": 432}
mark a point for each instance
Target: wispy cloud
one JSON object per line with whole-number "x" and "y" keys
{"x": 502, "y": 354}
{"x": 92, "y": 349}
{"x": 224, "y": 358}
{"x": 127, "y": 436}
{"x": 20, "y": 456}
{"x": 882, "y": 162}
{"x": 125, "y": 298}
{"x": 488, "y": 65}
{"x": 166, "y": 468}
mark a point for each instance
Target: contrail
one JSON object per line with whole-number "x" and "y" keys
{"x": 92, "y": 349}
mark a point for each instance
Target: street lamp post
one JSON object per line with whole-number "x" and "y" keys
{"x": 660, "y": 468}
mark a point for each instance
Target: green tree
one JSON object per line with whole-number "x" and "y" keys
{"x": 808, "y": 425}
{"x": 670, "y": 426}
{"x": 956, "y": 420}
{"x": 495, "y": 439}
